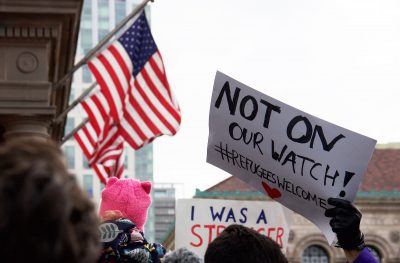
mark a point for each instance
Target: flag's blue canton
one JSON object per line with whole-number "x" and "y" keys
{"x": 138, "y": 43}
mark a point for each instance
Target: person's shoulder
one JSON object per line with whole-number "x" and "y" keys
{"x": 365, "y": 257}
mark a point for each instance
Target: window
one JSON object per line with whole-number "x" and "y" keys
{"x": 103, "y": 9}
{"x": 160, "y": 194}
{"x": 102, "y": 33}
{"x": 126, "y": 158}
{"x": 165, "y": 211}
{"x": 88, "y": 184}
{"x": 86, "y": 25}
{"x": 70, "y": 154}
{"x": 86, "y": 39}
{"x": 87, "y": 8}
{"x": 85, "y": 163}
{"x": 144, "y": 162}
{"x": 149, "y": 153}
{"x": 102, "y": 186}
{"x": 71, "y": 95}
{"x": 171, "y": 211}
{"x": 119, "y": 10}
{"x": 103, "y": 16}
{"x": 314, "y": 254}
{"x": 375, "y": 252}
{"x": 70, "y": 125}
{"x": 86, "y": 75}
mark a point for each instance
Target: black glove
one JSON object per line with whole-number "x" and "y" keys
{"x": 345, "y": 223}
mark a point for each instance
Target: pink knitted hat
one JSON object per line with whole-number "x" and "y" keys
{"x": 130, "y": 196}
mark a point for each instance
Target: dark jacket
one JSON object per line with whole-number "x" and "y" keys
{"x": 365, "y": 257}
{"x": 123, "y": 242}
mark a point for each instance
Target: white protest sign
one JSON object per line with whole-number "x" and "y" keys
{"x": 199, "y": 221}
{"x": 297, "y": 159}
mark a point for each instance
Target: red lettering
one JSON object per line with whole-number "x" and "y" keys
{"x": 210, "y": 229}
{"x": 279, "y": 236}
{"x": 215, "y": 230}
{"x": 272, "y": 229}
{"x": 197, "y": 235}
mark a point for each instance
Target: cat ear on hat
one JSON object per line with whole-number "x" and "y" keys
{"x": 146, "y": 186}
{"x": 112, "y": 180}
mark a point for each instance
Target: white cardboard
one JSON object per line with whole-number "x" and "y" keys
{"x": 313, "y": 167}
{"x": 199, "y": 221}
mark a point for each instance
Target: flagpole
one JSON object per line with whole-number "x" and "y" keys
{"x": 74, "y": 103}
{"x": 94, "y": 50}
{"x": 69, "y": 135}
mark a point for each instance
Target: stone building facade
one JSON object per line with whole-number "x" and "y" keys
{"x": 37, "y": 48}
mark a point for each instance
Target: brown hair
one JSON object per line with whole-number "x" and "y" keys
{"x": 44, "y": 215}
{"x": 238, "y": 244}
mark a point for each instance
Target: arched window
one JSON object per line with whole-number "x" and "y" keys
{"x": 314, "y": 254}
{"x": 375, "y": 252}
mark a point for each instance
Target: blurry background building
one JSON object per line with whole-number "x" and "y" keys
{"x": 98, "y": 18}
{"x": 164, "y": 207}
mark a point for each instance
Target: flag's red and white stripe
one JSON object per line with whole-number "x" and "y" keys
{"x": 106, "y": 158}
{"x": 99, "y": 140}
{"x": 112, "y": 69}
{"x": 151, "y": 109}
{"x": 111, "y": 141}
{"x": 111, "y": 164}
{"x": 96, "y": 108}
{"x": 104, "y": 172}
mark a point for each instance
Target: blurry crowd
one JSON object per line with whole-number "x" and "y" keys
{"x": 46, "y": 217}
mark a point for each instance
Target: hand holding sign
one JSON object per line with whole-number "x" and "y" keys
{"x": 293, "y": 157}
{"x": 345, "y": 223}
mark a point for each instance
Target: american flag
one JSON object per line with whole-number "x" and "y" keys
{"x": 112, "y": 164}
{"x": 132, "y": 77}
{"x": 99, "y": 140}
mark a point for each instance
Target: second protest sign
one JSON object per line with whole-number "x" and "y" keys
{"x": 199, "y": 221}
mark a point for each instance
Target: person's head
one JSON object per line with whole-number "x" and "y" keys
{"x": 238, "y": 243}
{"x": 181, "y": 255}
{"x": 45, "y": 217}
{"x": 129, "y": 196}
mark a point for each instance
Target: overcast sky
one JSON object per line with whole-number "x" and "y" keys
{"x": 337, "y": 60}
